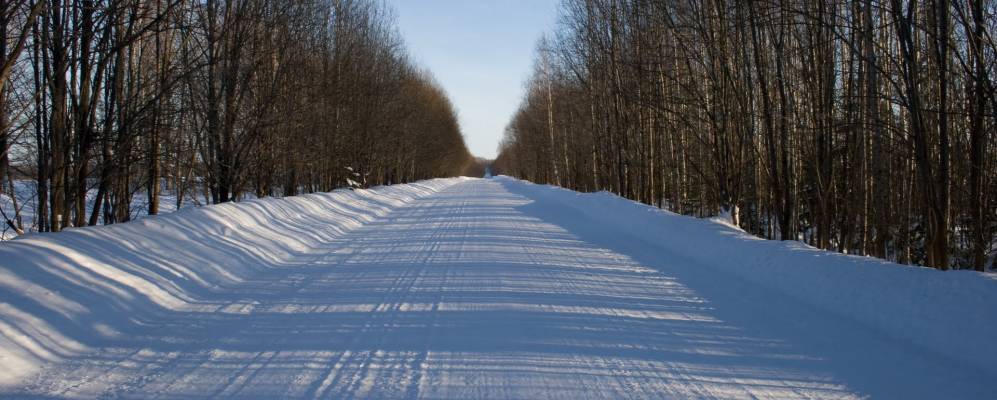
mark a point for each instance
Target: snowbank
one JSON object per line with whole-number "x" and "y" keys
{"x": 950, "y": 314}
{"x": 64, "y": 294}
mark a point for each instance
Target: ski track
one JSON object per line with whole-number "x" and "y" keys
{"x": 480, "y": 291}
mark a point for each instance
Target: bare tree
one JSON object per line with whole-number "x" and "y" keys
{"x": 828, "y": 121}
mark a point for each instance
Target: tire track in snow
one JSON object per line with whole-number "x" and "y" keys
{"x": 478, "y": 291}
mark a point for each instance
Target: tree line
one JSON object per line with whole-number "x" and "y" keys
{"x": 105, "y": 100}
{"x": 865, "y": 127}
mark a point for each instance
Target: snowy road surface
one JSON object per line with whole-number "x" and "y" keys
{"x": 475, "y": 289}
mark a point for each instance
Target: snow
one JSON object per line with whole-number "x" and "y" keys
{"x": 26, "y": 193}
{"x": 475, "y": 288}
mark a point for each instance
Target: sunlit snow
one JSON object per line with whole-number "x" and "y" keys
{"x": 475, "y": 288}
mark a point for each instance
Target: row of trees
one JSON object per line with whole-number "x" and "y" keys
{"x": 862, "y": 126}
{"x": 103, "y": 100}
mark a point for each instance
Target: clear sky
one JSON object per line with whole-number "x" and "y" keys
{"x": 481, "y": 51}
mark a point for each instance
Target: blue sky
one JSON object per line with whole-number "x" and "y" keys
{"x": 481, "y": 51}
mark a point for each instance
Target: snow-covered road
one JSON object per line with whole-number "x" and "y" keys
{"x": 486, "y": 289}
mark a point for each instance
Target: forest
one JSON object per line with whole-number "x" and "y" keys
{"x": 102, "y": 101}
{"x": 864, "y": 127}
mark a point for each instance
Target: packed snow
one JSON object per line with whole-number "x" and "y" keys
{"x": 476, "y": 288}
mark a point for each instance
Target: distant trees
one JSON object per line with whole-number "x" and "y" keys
{"x": 105, "y": 99}
{"x": 863, "y": 126}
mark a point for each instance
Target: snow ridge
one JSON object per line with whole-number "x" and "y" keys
{"x": 947, "y": 313}
{"x": 63, "y": 294}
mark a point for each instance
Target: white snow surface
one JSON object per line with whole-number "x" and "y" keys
{"x": 476, "y": 288}
{"x": 26, "y": 192}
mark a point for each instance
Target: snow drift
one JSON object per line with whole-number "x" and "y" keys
{"x": 64, "y": 294}
{"x": 950, "y": 314}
